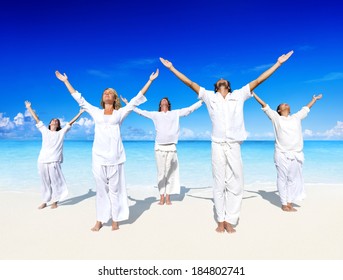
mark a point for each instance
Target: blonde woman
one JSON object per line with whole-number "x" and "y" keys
{"x": 108, "y": 155}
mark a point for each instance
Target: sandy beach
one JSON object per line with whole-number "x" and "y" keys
{"x": 184, "y": 230}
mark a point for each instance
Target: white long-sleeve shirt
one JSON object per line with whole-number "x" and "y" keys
{"x": 52, "y": 143}
{"x": 108, "y": 148}
{"x": 167, "y": 124}
{"x": 288, "y": 130}
{"x": 226, "y": 114}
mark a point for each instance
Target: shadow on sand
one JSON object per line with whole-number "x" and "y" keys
{"x": 77, "y": 199}
{"x": 143, "y": 205}
{"x": 272, "y": 197}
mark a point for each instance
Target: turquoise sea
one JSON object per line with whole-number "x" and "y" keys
{"x": 18, "y": 164}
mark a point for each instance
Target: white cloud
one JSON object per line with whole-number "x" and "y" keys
{"x": 186, "y": 133}
{"x": 4, "y": 121}
{"x": 336, "y": 132}
{"x": 23, "y": 127}
{"x": 118, "y": 69}
{"x": 261, "y": 136}
{"x": 260, "y": 68}
{"x": 133, "y": 133}
{"x": 328, "y": 77}
{"x": 308, "y": 132}
{"x": 19, "y": 119}
{"x": 140, "y": 63}
{"x": 98, "y": 73}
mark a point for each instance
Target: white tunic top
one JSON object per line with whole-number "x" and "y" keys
{"x": 52, "y": 143}
{"x": 226, "y": 114}
{"x": 288, "y": 131}
{"x": 167, "y": 124}
{"x": 108, "y": 148}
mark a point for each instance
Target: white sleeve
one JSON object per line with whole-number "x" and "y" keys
{"x": 41, "y": 127}
{"x": 302, "y": 113}
{"x": 144, "y": 113}
{"x": 134, "y": 102}
{"x": 186, "y": 111}
{"x": 243, "y": 92}
{"x": 83, "y": 103}
{"x": 270, "y": 113}
{"x": 66, "y": 128}
{"x": 204, "y": 95}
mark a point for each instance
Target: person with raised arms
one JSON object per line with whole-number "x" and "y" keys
{"x": 225, "y": 108}
{"x": 288, "y": 153}
{"x": 53, "y": 183}
{"x": 108, "y": 155}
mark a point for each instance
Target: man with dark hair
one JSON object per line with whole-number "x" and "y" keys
{"x": 288, "y": 153}
{"x": 167, "y": 126}
{"x": 225, "y": 108}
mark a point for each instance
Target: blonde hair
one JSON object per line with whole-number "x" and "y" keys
{"x": 116, "y": 103}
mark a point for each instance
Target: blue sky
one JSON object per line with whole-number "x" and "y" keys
{"x": 101, "y": 44}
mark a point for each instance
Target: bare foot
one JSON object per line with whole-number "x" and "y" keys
{"x": 168, "y": 202}
{"x": 229, "y": 228}
{"x": 97, "y": 227}
{"x": 220, "y": 227}
{"x": 161, "y": 200}
{"x": 54, "y": 205}
{"x": 42, "y": 206}
{"x": 288, "y": 208}
{"x": 291, "y": 208}
{"x": 115, "y": 225}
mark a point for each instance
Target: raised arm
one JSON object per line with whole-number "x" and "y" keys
{"x": 181, "y": 76}
{"x": 152, "y": 77}
{"x": 265, "y": 75}
{"x": 314, "y": 99}
{"x": 77, "y": 116}
{"x": 64, "y": 79}
{"x": 259, "y": 100}
{"x": 143, "y": 113}
{"x": 186, "y": 111}
{"x": 28, "y": 107}
{"x": 124, "y": 100}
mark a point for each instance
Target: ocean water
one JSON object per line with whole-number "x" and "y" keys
{"x": 18, "y": 164}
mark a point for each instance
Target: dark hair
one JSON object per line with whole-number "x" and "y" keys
{"x": 59, "y": 124}
{"x": 278, "y": 109}
{"x": 216, "y": 88}
{"x": 169, "y": 104}
{"x": 116, "y": 103}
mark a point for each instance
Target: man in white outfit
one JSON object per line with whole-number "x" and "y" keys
{"x": 167, "y": 126}
{"x": 288, "y": 155}
{"x": 108, "y": 155}
{"x": 225, "y": 108}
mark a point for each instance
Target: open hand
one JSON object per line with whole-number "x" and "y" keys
{"x": 61, "y": 77}
{"x": 284, "y": 57}
{"x": 166, "y": 63}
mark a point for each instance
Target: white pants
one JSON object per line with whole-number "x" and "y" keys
{"x": 111, "y": 195}
{"x": 168, "y": 177}
{"x": 53, "y": 186}
{"x": 289, "y": 177}
{"x": 227, "y": 171}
